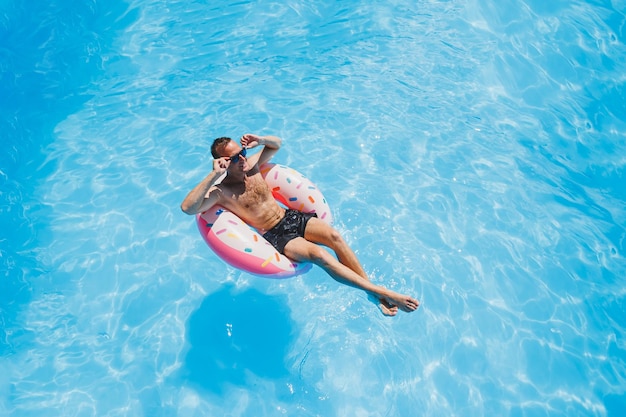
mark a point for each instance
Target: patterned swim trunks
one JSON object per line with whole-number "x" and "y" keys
{"x": 290, "y": 227}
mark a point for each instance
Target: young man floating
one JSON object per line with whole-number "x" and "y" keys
{"x": 294, "y": 234}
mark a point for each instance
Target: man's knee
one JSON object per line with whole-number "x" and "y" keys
{"x": 320, "y": 256}
{"x": 320, "y": 232}
{"x": 335, "y": 239}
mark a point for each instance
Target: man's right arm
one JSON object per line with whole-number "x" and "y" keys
{"x": 197, "y": 200}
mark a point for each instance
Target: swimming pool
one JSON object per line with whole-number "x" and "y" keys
{"x": 472, "y": 152}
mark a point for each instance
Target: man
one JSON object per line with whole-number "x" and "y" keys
{"x": 296, "y": 235}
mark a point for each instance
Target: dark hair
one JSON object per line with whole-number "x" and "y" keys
{"x": 216, "y": 144}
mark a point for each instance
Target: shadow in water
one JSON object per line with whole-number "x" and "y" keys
{"x": 237, "y": 332}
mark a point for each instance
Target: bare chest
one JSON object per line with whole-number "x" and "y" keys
{"x": 250, "y": 194}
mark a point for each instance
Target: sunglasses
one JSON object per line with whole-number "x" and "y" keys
{"x": 234, "y": 159}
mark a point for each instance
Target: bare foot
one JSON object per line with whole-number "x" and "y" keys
{"x": 390, "y": 304}
{"x": 387, "y": 308}
{"x": 403, "y": 302}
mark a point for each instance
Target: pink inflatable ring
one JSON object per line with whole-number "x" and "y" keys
{"x": 241, "y": 246}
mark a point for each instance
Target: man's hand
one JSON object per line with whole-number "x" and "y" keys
{"x": 250, "y": 140}
{"x": 220, "y": 165}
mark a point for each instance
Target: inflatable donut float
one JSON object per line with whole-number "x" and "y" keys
{"x": 243, "y": 247}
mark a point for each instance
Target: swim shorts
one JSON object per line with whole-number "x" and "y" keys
{"x": 290, "y": 227}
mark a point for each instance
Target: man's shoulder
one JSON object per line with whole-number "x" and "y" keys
{"x": 254, "y": 172}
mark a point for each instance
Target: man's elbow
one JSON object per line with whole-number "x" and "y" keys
{"x": 187, "y": 209}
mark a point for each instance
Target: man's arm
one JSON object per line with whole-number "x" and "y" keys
{"x": 271, "y": 146}
{"x": 197, "y": 200}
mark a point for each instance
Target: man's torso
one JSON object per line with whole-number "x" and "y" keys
{"x": 252, "y": 200}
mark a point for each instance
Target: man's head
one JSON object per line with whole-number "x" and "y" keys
{"x": 225, "y": 147}
{"x": 218, "y": 146}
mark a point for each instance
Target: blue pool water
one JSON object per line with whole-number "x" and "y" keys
{"x": 473, "y": 153}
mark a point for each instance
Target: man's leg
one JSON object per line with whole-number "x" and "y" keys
{"x": 301, "y": 249}
{"x": 318, "y": 231}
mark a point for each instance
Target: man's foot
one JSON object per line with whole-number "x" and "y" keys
{"x": 390, "y": 304}
{"x": 404, "y": 302}
{"x": 387, "y": 308}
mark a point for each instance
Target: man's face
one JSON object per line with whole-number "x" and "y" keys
{"x": 236, "y": 155}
